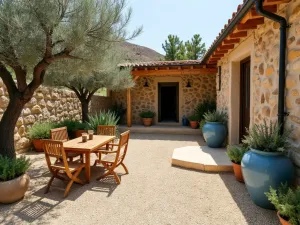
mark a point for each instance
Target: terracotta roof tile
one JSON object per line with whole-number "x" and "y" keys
{"x": 162, "y": 63}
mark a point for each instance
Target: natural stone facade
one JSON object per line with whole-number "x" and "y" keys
{"x": 47, "y": 104}
{"x": 145, "y": 98}
{"x": 264, "y": 74}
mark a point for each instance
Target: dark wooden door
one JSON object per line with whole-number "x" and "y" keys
{"x": 245, "y": 97}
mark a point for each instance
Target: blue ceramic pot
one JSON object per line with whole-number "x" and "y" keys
{"x": 262, "y": 170}
{"x": 214, "y": 134}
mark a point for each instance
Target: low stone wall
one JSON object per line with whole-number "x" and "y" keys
{"x": 47, "y": 104}
{"x": 99, "y": 103}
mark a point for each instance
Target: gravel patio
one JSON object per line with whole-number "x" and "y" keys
{"x": 153, "y": 193}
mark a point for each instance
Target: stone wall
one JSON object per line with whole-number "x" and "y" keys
{"x": 265, "y": 74}
{"x": 145, "y": 98}
{"x": 100, "y": 103}
{"x": 48, "y": 104}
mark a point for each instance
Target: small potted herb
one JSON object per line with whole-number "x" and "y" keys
{"x": 147, "y": 117}
{"x": 14, "y": 181}
{"x": 235, "y": 153}
{"x": 265, "y": 165}
{"x": 215, "y": 129}
{"x": 38, "y": 132}
{"x": 193, "y": 121}
{"x": 287, "y": 204}
{"x": 75, "y": 128}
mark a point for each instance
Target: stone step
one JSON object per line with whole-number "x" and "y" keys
{"x": 161, "y": 129}
{"x": 202, "y": 158}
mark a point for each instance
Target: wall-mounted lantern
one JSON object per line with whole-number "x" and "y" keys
{"x": 146, "y": 83}
{"x": 188, "y": 85}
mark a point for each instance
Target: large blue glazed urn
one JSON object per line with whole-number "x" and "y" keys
{"x": 214, "y": 134}
{"x": 262, "y": 170}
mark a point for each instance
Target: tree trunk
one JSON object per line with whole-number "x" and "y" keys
{"x": 7, "y": 126}
{"x": 84, "y": 109}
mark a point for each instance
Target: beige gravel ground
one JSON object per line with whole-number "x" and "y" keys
{"x": 153, "y": 193}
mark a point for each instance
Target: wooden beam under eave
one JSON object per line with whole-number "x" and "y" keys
{"x": 275, "y": 2}
{"x": 221, "y": 52}
{"x": 251, "y": 24}
{"x": 175, "y": 72}
{"x": 240, "y": 34}
{"x": 129, "y": 121}
{"x": 231, "y": 41}
{"x": 226, "y": 47}
{"x": 135, "y": 78}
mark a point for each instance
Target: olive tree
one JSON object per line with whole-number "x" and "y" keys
{"x": 37, "y": 34}
{"x": 107, "y": 74}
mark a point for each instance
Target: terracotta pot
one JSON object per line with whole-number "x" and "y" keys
{"x": 14, "y": 190}
{"x": 38, "y": 144}
{"x": 194, "y": 124}
{"x": 147, "y": 122}
{"x": 77, "y": 133}
{"x": 282, "y": 221}
{"x": 237, "y": 169}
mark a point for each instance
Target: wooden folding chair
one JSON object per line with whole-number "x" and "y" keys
{"x": 61, "y": 134}
{"x": 114, "y": 158}
{"x": 104, "y": 130}
{"x": 55, "y": 150}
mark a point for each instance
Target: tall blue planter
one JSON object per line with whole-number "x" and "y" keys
{"x": 214, "y": 134}
{"x": 262, "y": 170}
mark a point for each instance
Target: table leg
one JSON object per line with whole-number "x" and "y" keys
{"x": 88, "y": 167}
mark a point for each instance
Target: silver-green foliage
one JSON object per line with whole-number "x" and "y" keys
{"x": 216, "y": 116}
{"x": 103, "y": 118}
{"x": 41, "y": 130}
{"x": 236, "y": 153}
{"x": 286, "y": 202}
{"x": 266, "y": 137}
{"x": 13, "y": 168}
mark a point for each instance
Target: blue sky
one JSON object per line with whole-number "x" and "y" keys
{"x": 181, "y": 17}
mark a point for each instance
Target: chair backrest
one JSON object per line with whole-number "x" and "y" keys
{"x": 55, "y": 149}
{"x": 122, "y": 146}
{"x": 106, "y": 130}
{"x": 59, "y": 134}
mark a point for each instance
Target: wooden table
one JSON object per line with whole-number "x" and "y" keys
{"x": 76, "y": 145}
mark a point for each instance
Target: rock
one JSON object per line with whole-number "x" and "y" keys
{"x": 291, "y": 40}
{"x": 22, "y": 130}
{"x": 39, "y": 95}
{"x": 290, "y": 82}
{"x": 42, "y": 103}
{"x": 1, "y": 91}
{"x": 295, "y": 119}
{"x": 20, "y": 121}
{"x": 50, "y": 105}
{"x": 295, "y": 92}
{"x": 36, "y": 109}
{"x": 29, "y": 119}
{"x": 26, "y": 111}
{"x": 266, "y": 111}
{"x": 270, "y": 71}
{"x": 22, "y": 143}
{"x": 261, "y": 69}
{"x": 267, "y": 83}
{"x": 55, "y": 96}
{"x": 17, "y": 137}
{"x": 32, "y": 102}
{"x": 4, "y": 101}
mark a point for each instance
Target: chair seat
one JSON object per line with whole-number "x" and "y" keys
{"x": 109, "y": 158}
{"x": 72, "y": 165}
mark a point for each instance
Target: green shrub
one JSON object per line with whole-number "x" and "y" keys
{"x": 119, "y": 110}
{"x": 102, "y": 118}
{"x": 193, "y": 118}
{"x": 236, "y": 153}
{"x": 13, "y": 168}
{"x": 41, "y": 130}
{"x": 201, "y": 125}
{"x": 202, "y": 108}
{"x": 286, "y": 202}
{"x": 72, "y": 125}
{"x": 267, "y": 138}
{"x": 216, "y": 116}
{"x": 147, "y": 114}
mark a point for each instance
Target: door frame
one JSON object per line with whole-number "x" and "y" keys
{"x": 248, "y": 59}
{"x": 166, "y": 84}
{"x": 168, "y": 79}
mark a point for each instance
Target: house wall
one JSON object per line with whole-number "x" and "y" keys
{"x": 262, "y": 45}
{"x": 146, "y": 98}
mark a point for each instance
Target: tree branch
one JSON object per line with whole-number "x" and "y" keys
{"x": 8, "y": 80}
{"x": 89, "y": 98}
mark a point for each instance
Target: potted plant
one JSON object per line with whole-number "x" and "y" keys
{"x": 215, "y": 129}
{"x": 103, "y": 118}
{"x": 193, "y": 119}
{"x": 235, "y": 154}
{"x": 38, "y": 132}
{"x": 14, "y": 181}
{"x": 287, "y": 204}
{"x": 265, "y": 164}
{"x": 204, "y": 107}
{"x": 201, "y": 125}
{"x": 147, "y": 117}
{"x": 75, "y": 128}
